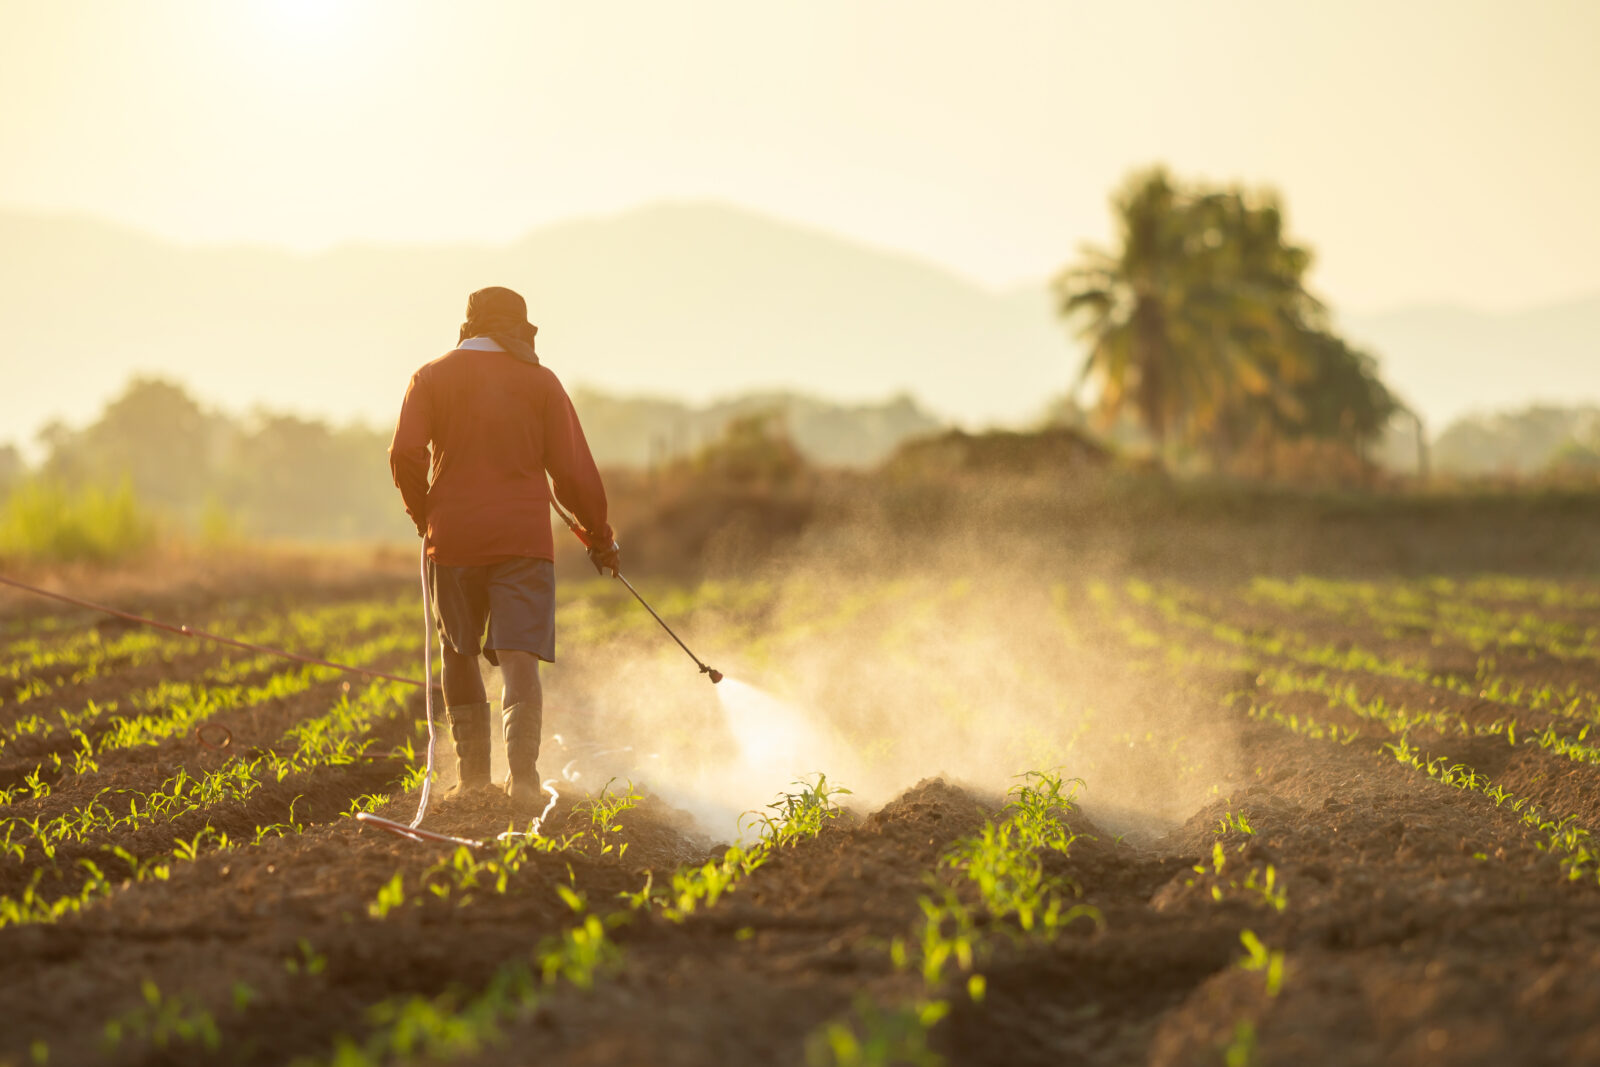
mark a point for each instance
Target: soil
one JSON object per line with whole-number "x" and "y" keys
{"x": 1419, "y": 923}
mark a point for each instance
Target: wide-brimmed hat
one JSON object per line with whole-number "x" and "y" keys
{"x": 502, "y": 314}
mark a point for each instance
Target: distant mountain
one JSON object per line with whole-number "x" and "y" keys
{"x": 1450, "y": 362}
{"x": 693, "y": 301}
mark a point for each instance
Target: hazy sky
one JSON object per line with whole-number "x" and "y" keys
{"x": 1429, "y": 151}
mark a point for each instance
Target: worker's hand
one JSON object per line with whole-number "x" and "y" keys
{"x": 606, "y": 556}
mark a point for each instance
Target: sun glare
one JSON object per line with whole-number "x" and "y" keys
{"x": 308, "y": 14}
{"x": 300, "y": 50}
{"x": 307, "y": 23}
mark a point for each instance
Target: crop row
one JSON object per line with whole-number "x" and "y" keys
{"x": 813, "y": 611}
{"x": 326, "y": 628}
{"x": 43, "y": 671}
{"x": 1398, "y": 609}
{"x": 990, "y": 887}
{"x": 1485, "y": 593}
{"x": 1563, "y": 837}
{"x": 87, "y": 655}
{"x": 1569, "y": 702}
{"x": 174, "y": 709}
{"x": 1397, "y": 718}
{"x": 334, "y": 739}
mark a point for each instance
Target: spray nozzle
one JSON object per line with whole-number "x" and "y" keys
{"x": 588, "y": 542}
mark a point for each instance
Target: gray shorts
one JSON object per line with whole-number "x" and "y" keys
{"x": 514, "y": 600}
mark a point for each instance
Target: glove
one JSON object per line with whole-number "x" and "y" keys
{"x": 606, "y": 556}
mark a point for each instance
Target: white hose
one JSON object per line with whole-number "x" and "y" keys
{"x": 427, "y": 703}
{"x": 427, "y": 681}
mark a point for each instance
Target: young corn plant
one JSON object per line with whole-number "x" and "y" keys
{"x": 169, "y": 709}
{"x": 1267, "y": 962}
{"x": 1235, "y": 822}
{"x": 390, "y": 896}
{"x": 603, "y": 812}
{"x": 1001, "y": 865}
{"x": 436, "y": 1029}
{"x": 163, "y": 1021}
{"x": 305, "y": 960}
{"x": 875, "y": 1037}
{"x": 800, "y": 815}
{"x": 796, "y": 817}
{"x": 581, "y": 953}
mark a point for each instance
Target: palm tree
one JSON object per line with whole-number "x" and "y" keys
{"x": 1198, "y": 314}
{"x": 1125, "y": 302}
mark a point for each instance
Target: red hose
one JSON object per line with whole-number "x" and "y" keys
{"x": 188, "y": 631}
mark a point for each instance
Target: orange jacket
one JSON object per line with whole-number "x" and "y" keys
{"x": 496, "y": 425}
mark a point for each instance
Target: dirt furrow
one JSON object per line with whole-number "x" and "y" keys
{"x": 290, "y": 919}
{"x": 746, "y": 981}
{"x": 1376, "y": 862}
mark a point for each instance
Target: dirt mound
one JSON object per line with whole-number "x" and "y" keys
{"x": 930, "y": 801}
{"x": 1058, "y": 450}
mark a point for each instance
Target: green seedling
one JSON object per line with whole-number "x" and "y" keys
{"x": 603, "y": 811}
{"x": 1269, "y": 962}
{"x": 243, "y": 997}
{"x": 1235, "y": 822}
{"x": 305, "y": 960}
{"x": 799, "y": 815}
{"x": 162, "y": 1021}
{"x": 1269, "y": 887}
{"x": 580, "y": 955}
{"x": 390, "y": 897}
{"x": 416, "y": 1028}
{"x": 643, "y": 899}
{"x": 1241, "y": 1048}
{"x": 873, "y": 1037}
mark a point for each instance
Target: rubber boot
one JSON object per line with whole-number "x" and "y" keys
{"x": 523, "y": 723}
{"x": 469, "y": 729}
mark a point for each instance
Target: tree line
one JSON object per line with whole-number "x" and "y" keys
{"x": 276, "y": 475}
{"x": 267, "y": 474}
{"x": 1538, "y": 441}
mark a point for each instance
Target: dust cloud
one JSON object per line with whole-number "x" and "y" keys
{"x": 852, "y": 659}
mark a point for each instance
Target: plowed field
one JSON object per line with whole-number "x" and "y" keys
{"x": 1105, "y": 822}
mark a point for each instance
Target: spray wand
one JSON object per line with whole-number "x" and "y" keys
{"x": 588, "y": 542}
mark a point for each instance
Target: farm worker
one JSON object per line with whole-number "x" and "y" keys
{"x": 497, "y": 421}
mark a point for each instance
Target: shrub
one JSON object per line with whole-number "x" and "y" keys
{"x": 754, "y": 449}
{"x": 46, "y": 521}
